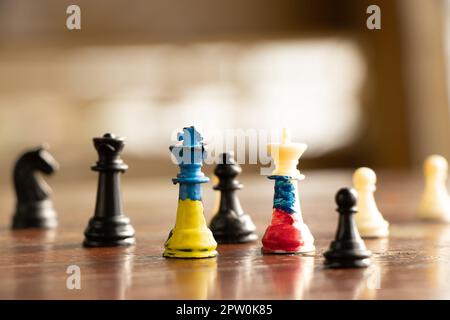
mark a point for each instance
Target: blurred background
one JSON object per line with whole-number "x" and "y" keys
{"x": 145, "y": 69}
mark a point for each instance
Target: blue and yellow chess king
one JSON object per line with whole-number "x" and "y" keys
{"x": 190, "y": 238}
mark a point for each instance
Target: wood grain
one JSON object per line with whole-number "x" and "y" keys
{"x": 414, "y": 263}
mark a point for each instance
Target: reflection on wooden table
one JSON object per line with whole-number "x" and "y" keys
{"x": 413, "y": 263}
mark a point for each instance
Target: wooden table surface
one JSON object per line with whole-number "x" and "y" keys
{"x": 413, "y": 263}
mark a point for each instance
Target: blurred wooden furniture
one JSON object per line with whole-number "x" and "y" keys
{"x": 412, "y": 264}
{"x": 403, "y": 98}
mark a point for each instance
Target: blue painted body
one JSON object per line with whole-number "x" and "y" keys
{"x": 285, "y": 194}
{"x": 190, "y": 156}
{"x": 190, "y": 191}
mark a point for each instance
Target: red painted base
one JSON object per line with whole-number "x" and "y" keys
{"x": 285, "y": 234}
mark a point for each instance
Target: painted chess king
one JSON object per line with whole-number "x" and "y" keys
{"x": 287, "y": 233}
{"x": 190, "y": 238}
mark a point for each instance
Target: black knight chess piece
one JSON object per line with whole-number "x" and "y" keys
{"x": 109, "y": 226}
{"x": 348, "y": 249}
{"x": 34, "y": 209}
{"x": 230, "y": 224}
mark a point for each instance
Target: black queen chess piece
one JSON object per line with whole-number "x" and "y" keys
{"x": 348, "y": 249}
{"x": 34, "y": 208}
{"x": 109, "y": 227}
{"x": 230, "y": 224}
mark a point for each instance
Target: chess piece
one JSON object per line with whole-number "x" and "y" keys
{"x": 216, "y": 207}
{"x": 348, "y": 249}
{"x": 287, "y": 232}
{"x": 34, "y": 209}
{"x": 190, "y": 238}
{"x": 230, "y": 224}
{"x": 369, "y": 220}
{"x": 109, "y": 227}
{"x": 435, "y": 202}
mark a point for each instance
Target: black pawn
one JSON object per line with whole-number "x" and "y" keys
{"x": 348, "y": 249}
{"x": 34, "y": 209}
{"x": 109, "y": 226}
{"x": 230, "y": 224}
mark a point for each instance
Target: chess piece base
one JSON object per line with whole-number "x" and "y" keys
{"x": 439, "y": 214}
{"x": 301, "y": 249}
{"x": 379, "y": 230}
{"x": 305, "y": 249}
{"x": 337, "y": 257}
{"x": 90, "y": 243}
{"x": 342, "y": 264}
{"x": 190, "y": 238}
{"x": 109, "y": 232}
{"x": 287, "y": 234}
{"x": 190, "y": 244}
{"x": 35, "y": 215}
{"x": 189, "y": 254}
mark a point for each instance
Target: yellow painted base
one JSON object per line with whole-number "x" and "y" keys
{"x": 169, "y": 253}
{"x": 191, "y": 238}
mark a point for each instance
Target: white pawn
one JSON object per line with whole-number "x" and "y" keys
{"x": 369, "y": 220}
{"x": 435, "y": 203}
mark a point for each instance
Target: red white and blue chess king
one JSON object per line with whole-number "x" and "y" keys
{"x": 287, "y": 233}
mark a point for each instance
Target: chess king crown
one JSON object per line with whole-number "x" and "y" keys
{"x": 189, "y": 155}
{"x": 286, "y": 155}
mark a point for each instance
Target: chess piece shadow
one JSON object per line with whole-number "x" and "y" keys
{"x": 353, "y": 284}
{"x": 291, "y": 276}
{"x": 438, "y": 235}
{"x": 109, "y": 273}
{"x": 34, "y": 209}
{"x": 35, "y": 249}
{"x": 31, "y": 238}
{"x": 230, "y": 224}
{"x": 370, "y": 284}
{"x": 235, "y": 279}
{"x": 195, "y": 279}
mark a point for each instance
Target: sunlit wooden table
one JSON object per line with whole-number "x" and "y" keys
{"x": 414, "y": 263}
